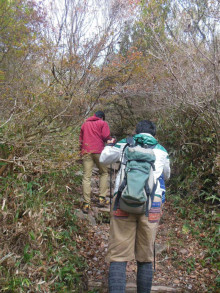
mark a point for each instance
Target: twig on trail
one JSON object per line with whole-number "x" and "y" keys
{"x": 3, "y": 204}
{"x": 53, "y": 280}
{"x": 6, "y": 257}
{"x": 8, "y": 161}
{"x": 166, "y": 257}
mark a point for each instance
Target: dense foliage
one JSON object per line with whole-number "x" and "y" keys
{"x": 156, "y": 60}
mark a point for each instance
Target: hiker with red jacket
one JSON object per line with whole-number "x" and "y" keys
{"x": 93, "y": 135}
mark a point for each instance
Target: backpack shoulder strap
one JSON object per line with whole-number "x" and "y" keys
{"x": 130, "y": 141}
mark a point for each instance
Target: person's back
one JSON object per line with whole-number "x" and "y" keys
{"x": 132, "y": 236}
{"x": 93, "y": 135}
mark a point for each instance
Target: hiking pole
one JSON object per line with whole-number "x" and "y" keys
{"x": 114, "y": 138}
{"x": 154, "y": 256}
{"x": 110, "y": 185}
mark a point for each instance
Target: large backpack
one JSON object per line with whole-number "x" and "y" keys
{"x": 138, "y": 185}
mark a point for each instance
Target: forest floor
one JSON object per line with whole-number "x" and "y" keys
{"x": 179, "y": 256}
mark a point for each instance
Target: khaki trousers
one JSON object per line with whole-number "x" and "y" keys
{"x": 88, "y": 162}
{"x": 131, "y": 237}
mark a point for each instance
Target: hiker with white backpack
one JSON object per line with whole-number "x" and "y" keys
{"x": 137, "y": 204}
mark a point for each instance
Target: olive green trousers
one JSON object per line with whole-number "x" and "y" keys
{"x": 88, "y": 163}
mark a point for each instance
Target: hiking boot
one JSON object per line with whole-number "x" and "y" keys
{"x": 85, "y": 208}
{"x": 103, "y": 201}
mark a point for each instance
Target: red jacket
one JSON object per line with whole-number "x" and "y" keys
{"x": 93, "y": 135}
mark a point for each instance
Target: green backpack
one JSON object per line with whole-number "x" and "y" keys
{"x": 137, "y": 188}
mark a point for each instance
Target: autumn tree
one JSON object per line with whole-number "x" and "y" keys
{"x": 60, "y": 74}
{"x": 177, "y": 81}
{"x": 21, "y": 55}
{"x": 85, "y": 38}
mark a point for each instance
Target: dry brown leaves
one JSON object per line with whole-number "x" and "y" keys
{"x": 178, "y": 266}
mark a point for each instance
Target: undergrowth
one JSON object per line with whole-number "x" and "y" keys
{"x": 39, "y": 232}
{"x": 202, "y": 222}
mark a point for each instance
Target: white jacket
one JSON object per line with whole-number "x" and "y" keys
{"x": 113, "y": 154}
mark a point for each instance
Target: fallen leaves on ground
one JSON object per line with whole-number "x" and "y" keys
{"x": 180, "y": 265}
